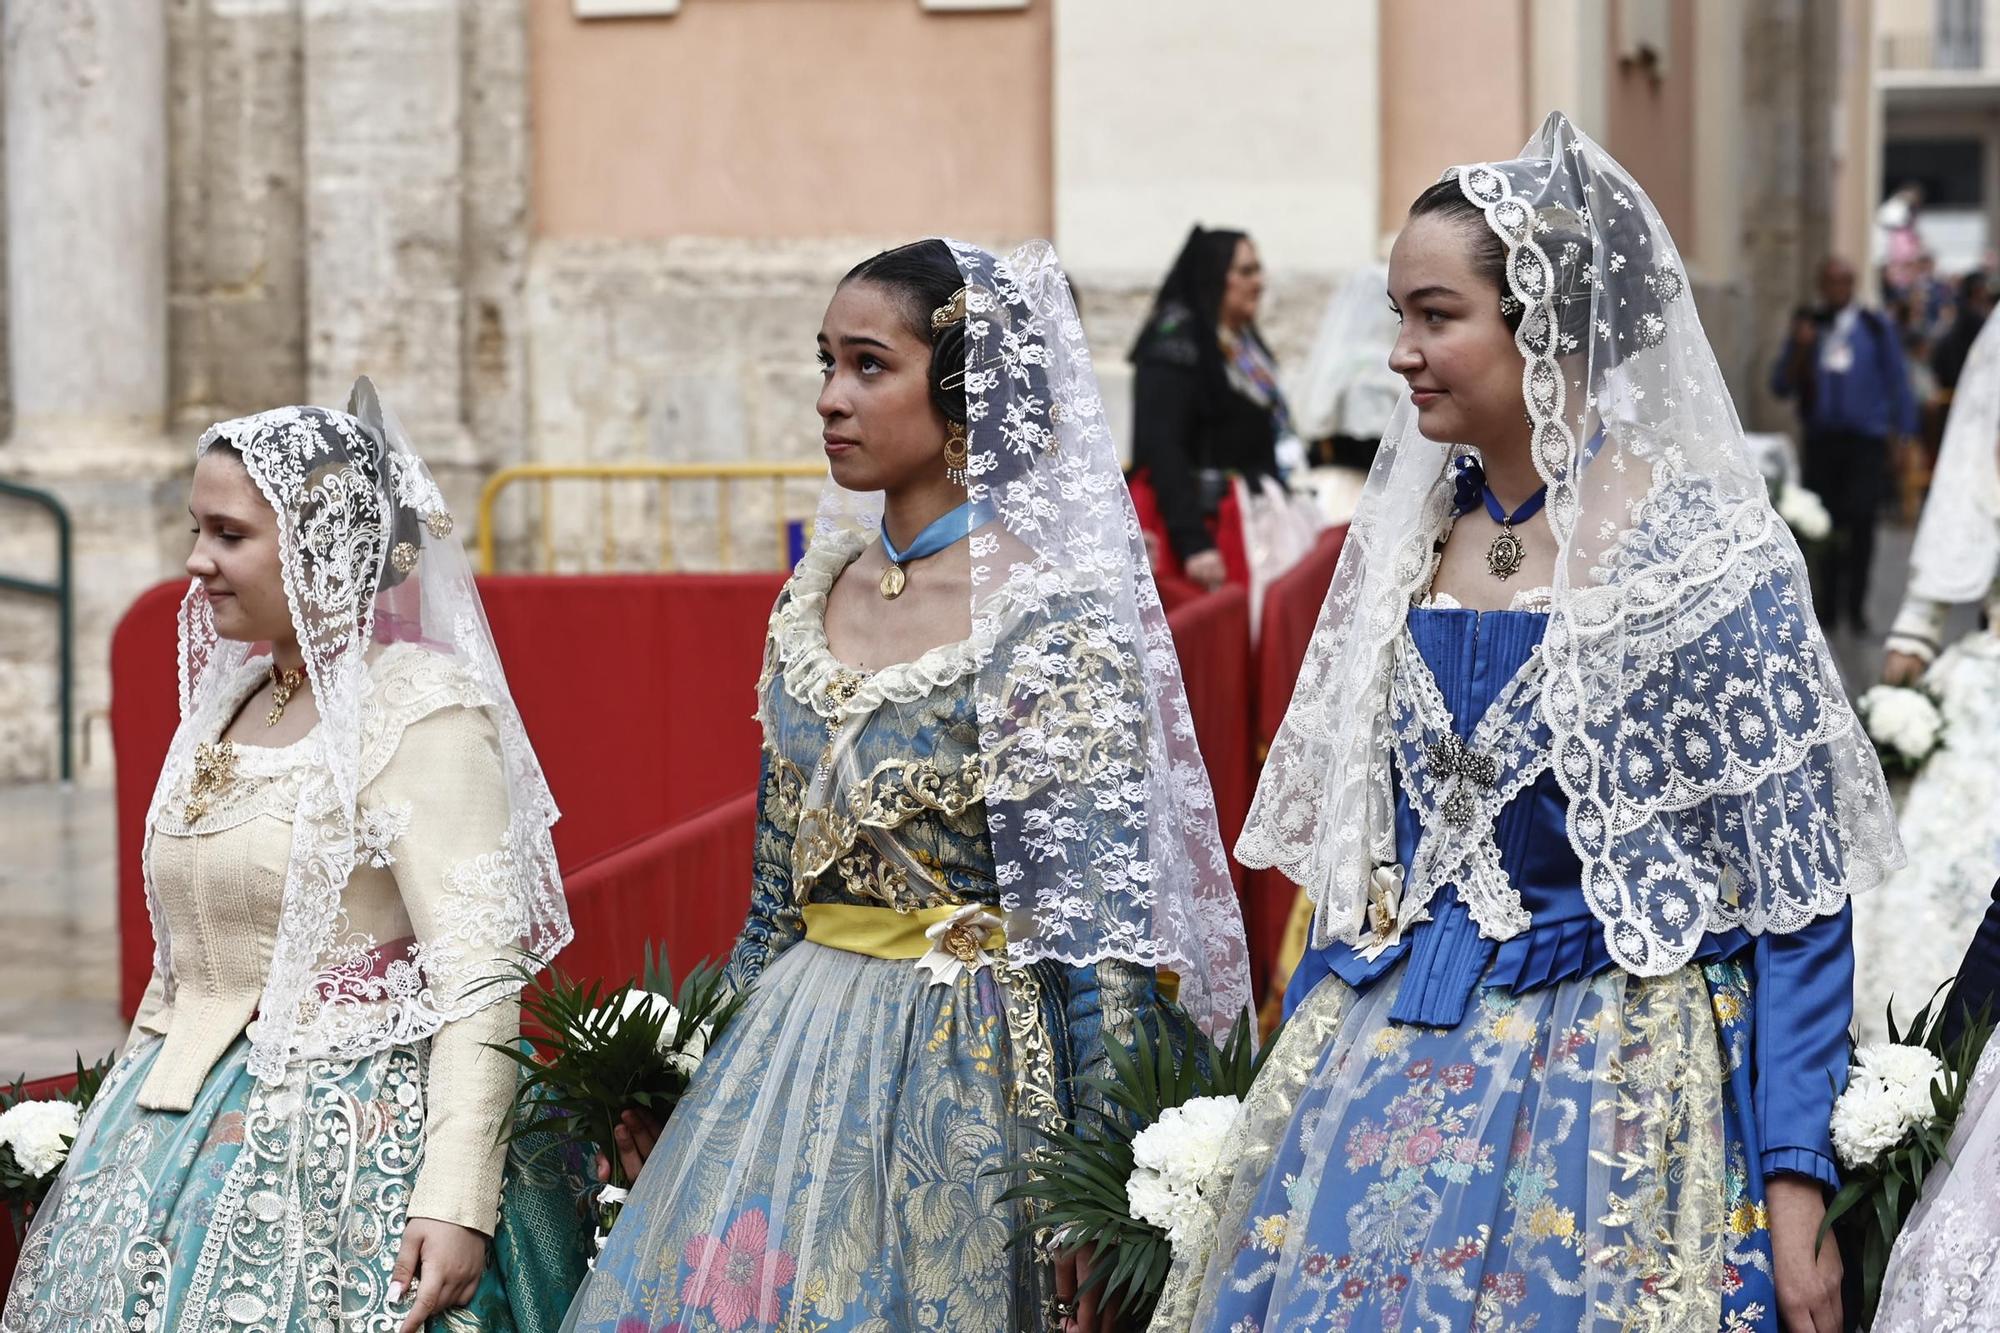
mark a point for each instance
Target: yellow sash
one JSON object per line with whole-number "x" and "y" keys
{"x": 882, "y": 932}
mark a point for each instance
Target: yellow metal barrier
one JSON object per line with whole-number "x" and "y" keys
{"x": 663, "y": 475}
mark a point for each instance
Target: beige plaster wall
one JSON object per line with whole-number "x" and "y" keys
{"x": 791, "y": 118}
{"x": 1651, "y": 122}
{"x": 1455, "y": 88}
{"x": 1167, "y": 115}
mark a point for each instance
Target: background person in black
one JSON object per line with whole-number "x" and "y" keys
{"x": 1205, "y": 396}
{"x": 1975, "y": 303}
{"x": 1843, "y": 366}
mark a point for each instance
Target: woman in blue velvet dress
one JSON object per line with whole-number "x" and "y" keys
{"x": 983, "y": 828}
{"x": 1574, "y": 786}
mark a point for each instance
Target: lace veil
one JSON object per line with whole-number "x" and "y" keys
{"x": 1348, "y": 388}
{"x": 1957, "y": 552}
{"x": 1715, "y": 773}
{"x": 368, "y": 560}
{"x": 1097, "y": 804}
{"x": 1944, "y": 1272}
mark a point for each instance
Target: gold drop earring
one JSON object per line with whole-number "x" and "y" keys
{"x": 955, "y": 454}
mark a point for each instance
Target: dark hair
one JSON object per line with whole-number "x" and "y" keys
{"x": 1448, "y": 203}
{"x": 1180, "y": 329}
{"x": 922, "y": 276}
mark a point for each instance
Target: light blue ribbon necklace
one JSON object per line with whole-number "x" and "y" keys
{"x": 943, "y": 531}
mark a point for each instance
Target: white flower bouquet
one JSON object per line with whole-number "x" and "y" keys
{"x": 1174, "y": 1162}
{"x": 1890, "y": 1128}
{"x": 1131, "y": 1179}
{"x": 1804, "y": 512}
{"x": 1906, "y": 724}
{"x": 592, "y": 1056}
{"x": 35, "y": 1138}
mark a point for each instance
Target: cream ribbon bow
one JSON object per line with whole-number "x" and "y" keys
{"x": 958, "y": 944}
{"x": 1385, "y": 909}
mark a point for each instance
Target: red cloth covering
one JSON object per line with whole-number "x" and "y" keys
{"x": 686, "y": 888}
{"x": 1291, "y": 611}
{"x": 637, "y": 691}
{"x": 1212, "y": 636}
{"x": 1226, "y": 526}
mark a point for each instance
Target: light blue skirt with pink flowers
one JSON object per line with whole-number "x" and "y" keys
{"x": 838, "y": 1164}
{"x": 1570, "y": 1158}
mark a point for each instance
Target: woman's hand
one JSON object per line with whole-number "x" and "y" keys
{"x": 1808, "y": 1283}
{"x": 1208, "y": 570}
{"x": 1901, "y": 668}
{"x": 1093, "y": 1313}
{"x": 634, "y": 1136}
{"x": 438, "y": 1268}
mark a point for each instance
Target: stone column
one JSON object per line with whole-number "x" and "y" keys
{"x": 87, "y": 219}
{"x": 384, "y": 155}
{"x": 86, "y": 241}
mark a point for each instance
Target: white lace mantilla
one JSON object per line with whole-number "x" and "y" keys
{"x": 388, "y": 620}
{"x": 1715, "y": 774}
{"x": 1098, "y": 806}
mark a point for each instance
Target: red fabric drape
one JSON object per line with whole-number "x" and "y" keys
{"x": 1291, "y": 611}
{"x": 1212, "y": 636}
{"x": 686, "y": 888}
{"x": 636, "y": 689}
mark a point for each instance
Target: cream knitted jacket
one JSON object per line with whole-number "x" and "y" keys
{"x": 437, "y": 801}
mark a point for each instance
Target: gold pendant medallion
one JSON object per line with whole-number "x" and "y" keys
{"x": 1504, "y": 556}
{"x": 894, "y": 580}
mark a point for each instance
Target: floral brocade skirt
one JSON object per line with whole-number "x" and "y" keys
{"x": 274, "y": 1209}
{"x": 838, "y": 1162}
{"x": 1576, "y": 1157}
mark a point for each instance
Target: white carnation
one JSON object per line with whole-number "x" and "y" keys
{"x": 39, "y": 1134}
{"x": 1804, "y": 512}
{"x": 1888, "y": 1097}
{"x": 1175, "y": 1160}
{"x": 1907, "y": 1070}
{"x": 1902, "y": 718}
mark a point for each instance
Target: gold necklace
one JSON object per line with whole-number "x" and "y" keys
{"x": 284, "y": 684}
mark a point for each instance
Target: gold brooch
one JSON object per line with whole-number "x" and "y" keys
{"x": 404, "y": 557}
{"x": 438, "y": 524}
{"x": 214, "y": 769}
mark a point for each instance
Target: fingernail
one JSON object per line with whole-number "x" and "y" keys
{"x": 395, "y": 1292}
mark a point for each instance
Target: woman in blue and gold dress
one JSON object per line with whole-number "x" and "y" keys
{"x": 1576, "y": 791}
{"x": 983, "y": 830}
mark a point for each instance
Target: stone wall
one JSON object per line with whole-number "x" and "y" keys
{"x": 345, "y": 191}
{"x": 346, "y": 188}
{"x": 692, "y": 351}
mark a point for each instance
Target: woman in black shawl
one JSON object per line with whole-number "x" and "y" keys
{"x": 1206, "y": 401}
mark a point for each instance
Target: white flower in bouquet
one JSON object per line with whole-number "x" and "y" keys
{"x": 1903, "y": 719}
{"x": 1804, "y": 513}
{"x": 1174, "y": 1160}
{"x": 39, "y": 1133}
{"x": 1888, "y": 1098}
{"x": 682, "y": 1059}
